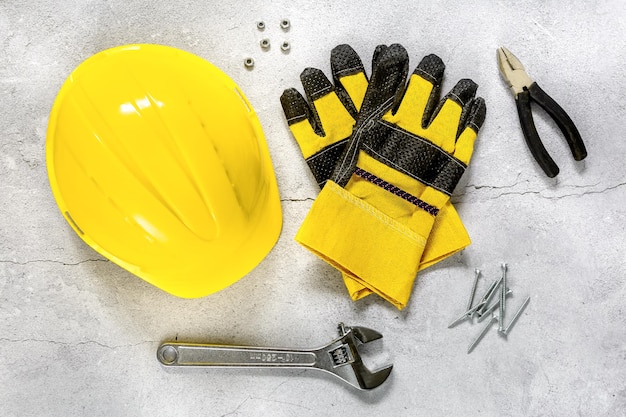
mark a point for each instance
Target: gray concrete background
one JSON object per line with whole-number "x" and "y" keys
{"x": 78, "y": 334}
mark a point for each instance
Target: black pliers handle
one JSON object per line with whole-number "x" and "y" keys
{"x": 526, "y": 90}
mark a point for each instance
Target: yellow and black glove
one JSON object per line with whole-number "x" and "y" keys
{"x": 374, "y": 217}
{"x": 322, "y": 129}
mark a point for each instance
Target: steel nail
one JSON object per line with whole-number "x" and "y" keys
{"x": 487, "y": 297}
{"x": 482, "y": 334}
{"x": 469, "y": 313}
{"x": 471, "y": 297}
{"x": 516, "y": 316}
{"x": 502, "y": 299}
{"x": 483, "y": 301}
{"x": 492, "y": 307}
{"x": 461, "y": 318}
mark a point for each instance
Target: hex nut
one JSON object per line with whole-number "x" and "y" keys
{"x": 285, "y": 24}
{"x": 260, "y": 25}
{"x": 285, "y": 46}
{"x": 248, "y": 63}
{"x": 265, "y": 43}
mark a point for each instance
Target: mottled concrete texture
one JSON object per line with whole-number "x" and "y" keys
{"x": 78, "y": 334}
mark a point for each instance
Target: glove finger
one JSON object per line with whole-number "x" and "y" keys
{"x": 431, "y": 69}
{"x": 377, "y": 51}
{"x": 330, "y": 117}
{"x": 474, "y": 121}
{"x": 447, "y": 117}
{"x": 300, "y": 120}
{"x": 475, "y": 115}
{"x": 321, "y": 124}
{"x": 349, "y": 77}
{"x": 389, "y": 72}
{"x": 316, "y": 85}
{"x": 320, "y": 152}
{"x": 421, "y": 96}
{"x": 465, "y": 92}
{"x": 479, "y": 115}
{"x": 294, "y": 106}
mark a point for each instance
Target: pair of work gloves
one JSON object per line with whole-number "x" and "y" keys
{"x": 387, "y": 155}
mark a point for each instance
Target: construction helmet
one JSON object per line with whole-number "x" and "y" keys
{"x": 158, "y": 162}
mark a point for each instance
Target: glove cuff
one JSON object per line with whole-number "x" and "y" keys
{"x": 363, "y": 242}
{"x": 447, "y": 237}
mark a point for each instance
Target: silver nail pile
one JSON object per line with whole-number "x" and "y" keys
{"x": 485, "y": 308}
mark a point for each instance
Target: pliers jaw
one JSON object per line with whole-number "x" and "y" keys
{"x": 513, "y": 71}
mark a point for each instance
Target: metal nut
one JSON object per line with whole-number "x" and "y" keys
{"x": 248, "y": 63}
{"x": 285, "y": 24}
{"x": 260, "y": 25}
{"x": 265, "y": 43}
{"x": 285, "y": 46}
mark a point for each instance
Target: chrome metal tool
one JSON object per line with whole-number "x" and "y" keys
{"x": 339, "y": 357}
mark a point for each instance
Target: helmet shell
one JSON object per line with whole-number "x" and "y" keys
{"x": 159, "y": 163}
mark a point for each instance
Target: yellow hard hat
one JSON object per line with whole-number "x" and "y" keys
{"x": 158, "y": 162}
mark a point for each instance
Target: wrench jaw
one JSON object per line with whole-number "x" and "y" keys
{"x": 345, "y": 361}
{"x": 366, "y": 335}
{"x": 367, "y": 379}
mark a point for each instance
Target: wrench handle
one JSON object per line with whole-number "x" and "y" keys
{"x": 185, "y": 354}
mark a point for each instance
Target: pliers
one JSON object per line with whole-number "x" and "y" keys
{"x": 526, "y": 90}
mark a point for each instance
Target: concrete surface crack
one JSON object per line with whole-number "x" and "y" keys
{"x": 287, "y": 403}
{"x": 70, "y": 344}
{"x": 584, "y": 191}
{"x": 587, "y": 192}
{"x": 55, "y": 342}
{"x": 236, "y": 410}
{"x": 286, "y": 380}
{"x": 51, "y": 261}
